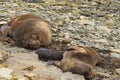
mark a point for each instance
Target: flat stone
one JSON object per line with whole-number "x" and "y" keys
{"x": 70, "y": 76}
{"x": 115, "y": 55}
{"x": 6, "y": 73}
{"x": 86, "y": 21}
{"x": 23, "y": 78}
{"x": 104, "y": 75}
{"x": 116, "y": 50}
{"x": 104, "y": 29}
{"x": 31, "y": 76}
{"x": 3, "y": 55}
{"x": 60, "y": 21}
{"x": 66, "y": 40}
{"x": 117, "y": 71}
{"x": 104, "y": 41}
{"x": 3, "y": 22}
{"x": 3, "y": 65}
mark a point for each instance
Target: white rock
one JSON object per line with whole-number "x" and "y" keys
{"x": 83, "y": 17}
{"x": 89, "y": 22}
{"x": 3, "y": 22}
{"x": 116, "y": 50}
{"x": 6, "y": 73}
{"x": 70, "y": 76}
{"x": 23, "y": 78}
{"x": 104, "y": 29}
{"x": 31, "y": 76}
{"x": 104, "y": 75}
{"x": 115, "y": 55}
{"x": 104, "y": 41}
{"x": 1, "y": 56}
{"x": 117, "y": 71}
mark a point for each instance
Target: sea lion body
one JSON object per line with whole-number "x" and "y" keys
{"x": 29, "y": 31}
{"x": 79, "y": 60}
{"x": 83, "y": 53}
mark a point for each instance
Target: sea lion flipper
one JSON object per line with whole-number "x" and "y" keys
{"x": 57, "y": 63}
{"x": 50, "y": 62}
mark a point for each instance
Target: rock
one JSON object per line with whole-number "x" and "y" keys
{"x": 86, "y": 22}
{"x": 3, "y": 22}
{"x": 3, "y": 65}
{"x": 117, "y": 71}
{"x": 49, "y": 1}
{"x": 32, "y": 1}
{"x": 54, "y": 30}
{"x": 103, "y": 75}
{"x": 109, "y": 23}
{"x": 114, "y": 55}
{"x": 66, "y": 40}
{"x": 116, "y": 50}
{"x": 60, "y": 21}
{"x": 70, "y": 76}
{"x": 83, "y": 17}
{"x": 6, "y": 73}
{"x": 31, "y": 76}
{"x": 23, "y": 78}
{"x": 104, "y": 29}
{"x": 3, "y": 55}
{"x": 104, "y": 41}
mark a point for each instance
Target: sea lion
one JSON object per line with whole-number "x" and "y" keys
{"x": 79, "y": 60}
{"x": 29, "y": 31}
{"x": 45, "y": 54}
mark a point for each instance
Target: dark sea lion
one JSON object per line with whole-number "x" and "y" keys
{"x": 45, "y": 54}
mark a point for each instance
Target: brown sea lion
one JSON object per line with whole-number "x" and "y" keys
{"x": 79, "y": 60}
{"x": 29, "y": 31}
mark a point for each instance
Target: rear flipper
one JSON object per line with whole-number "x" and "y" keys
{"x": 52, "y": 62}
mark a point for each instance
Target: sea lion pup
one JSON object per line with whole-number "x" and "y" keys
{"x": 45, "y": 54}
{"x": 79, "y": 60}
{"x": 29, "y": 31}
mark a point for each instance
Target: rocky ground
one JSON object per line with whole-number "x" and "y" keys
{"x": 94, "y": 23}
